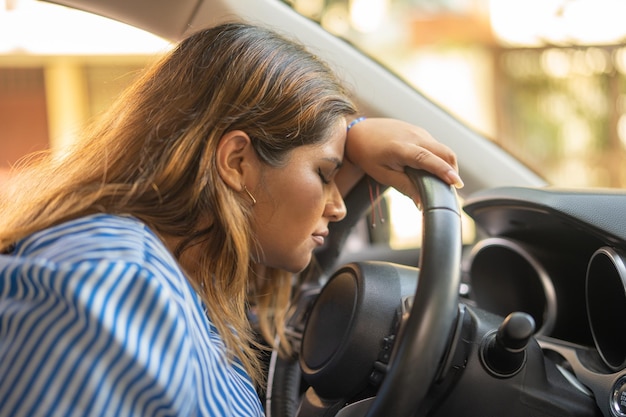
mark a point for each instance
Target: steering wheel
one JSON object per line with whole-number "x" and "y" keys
{"x": 423, "y": 341}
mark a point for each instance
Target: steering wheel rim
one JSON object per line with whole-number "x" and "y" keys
{"x": 421, "y": 348}
{"x": 423, "y": 343}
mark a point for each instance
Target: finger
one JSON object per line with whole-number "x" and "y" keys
{"x": 424, "y": 139}
{"x": 418, "y": 157}
{"x": 444, "y": 153}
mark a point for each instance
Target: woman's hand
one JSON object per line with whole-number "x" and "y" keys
{"x": 382, "y": 148}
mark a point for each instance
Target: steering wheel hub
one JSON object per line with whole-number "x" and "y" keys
{"x": 355, "y": 312}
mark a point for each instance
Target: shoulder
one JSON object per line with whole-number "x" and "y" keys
{"x": 94, "y": 237}
{"x": 96, "y": 336}
{"x": 93, "y": 253}
{"x": 92, "y": 324}
{"x": 101, "y": 238}
{"x": 101, "y": 311}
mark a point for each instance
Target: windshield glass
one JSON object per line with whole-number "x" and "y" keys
{"x": 544, "y": 79}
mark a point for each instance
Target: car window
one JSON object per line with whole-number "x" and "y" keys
{"x": 543, "y": 79}
{"x": 404, "y": 227}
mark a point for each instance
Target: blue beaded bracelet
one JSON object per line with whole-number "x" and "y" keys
{"x": 355, "y": 121}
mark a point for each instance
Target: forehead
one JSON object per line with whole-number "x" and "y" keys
{"x": 331, "y": 146}
{"x": 337, "y": 135}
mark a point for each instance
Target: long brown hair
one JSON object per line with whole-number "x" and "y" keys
{"x": 152, "y": 156}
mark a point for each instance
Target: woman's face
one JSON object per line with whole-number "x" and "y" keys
{"x": 297, "y": 201}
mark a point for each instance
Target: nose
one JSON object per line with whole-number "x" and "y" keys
{"x": 335, "y": 208}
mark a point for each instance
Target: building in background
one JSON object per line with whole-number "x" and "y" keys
{"x": 59, "y": 68}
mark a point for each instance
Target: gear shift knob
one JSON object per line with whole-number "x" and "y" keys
{"x": 515, "y": 331}
{"x": 504, "y": 352}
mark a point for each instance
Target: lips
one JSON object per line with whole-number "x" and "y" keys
{"x": 320, "y": 237}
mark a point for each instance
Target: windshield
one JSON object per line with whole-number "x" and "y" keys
{"x": 544, "y": 79}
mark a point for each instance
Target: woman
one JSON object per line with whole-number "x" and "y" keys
{"x": 129, "y": 263}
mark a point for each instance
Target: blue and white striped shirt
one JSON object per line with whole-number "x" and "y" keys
{"x": 97, "y": 319}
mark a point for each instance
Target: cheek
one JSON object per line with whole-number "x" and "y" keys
{"x": 292, "y": 202}
{"x": 288, "y": 200}
{"x": 299, "y": 207}
{"x": 308, "y": 199}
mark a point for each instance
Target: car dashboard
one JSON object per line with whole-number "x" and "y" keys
{"x": 560, "y": 256}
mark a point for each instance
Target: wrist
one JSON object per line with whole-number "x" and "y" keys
{"x": 348, "y": 128}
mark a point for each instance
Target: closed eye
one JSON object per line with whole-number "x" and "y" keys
{"x": 324, "y": 179}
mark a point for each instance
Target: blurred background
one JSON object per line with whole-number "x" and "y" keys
{"x": 59, "y": 68}
{"x": 545, "y": 79}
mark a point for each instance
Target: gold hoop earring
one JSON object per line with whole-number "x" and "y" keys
{"x": 245, "y": 189}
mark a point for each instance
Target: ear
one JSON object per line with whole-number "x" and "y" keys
{"x": 236, "y": 159}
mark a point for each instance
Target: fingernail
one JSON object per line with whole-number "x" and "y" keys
{"x": 455, "y": 179}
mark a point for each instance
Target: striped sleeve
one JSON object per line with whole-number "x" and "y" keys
{"x": 92, "y": 338}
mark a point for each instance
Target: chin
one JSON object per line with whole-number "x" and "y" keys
{"x": 294, "y": 264}
{"x": 295, "y": 269}
{"x": 298, "y": 265}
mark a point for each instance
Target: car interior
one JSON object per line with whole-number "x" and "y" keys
{"x": 522, "y": 317}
